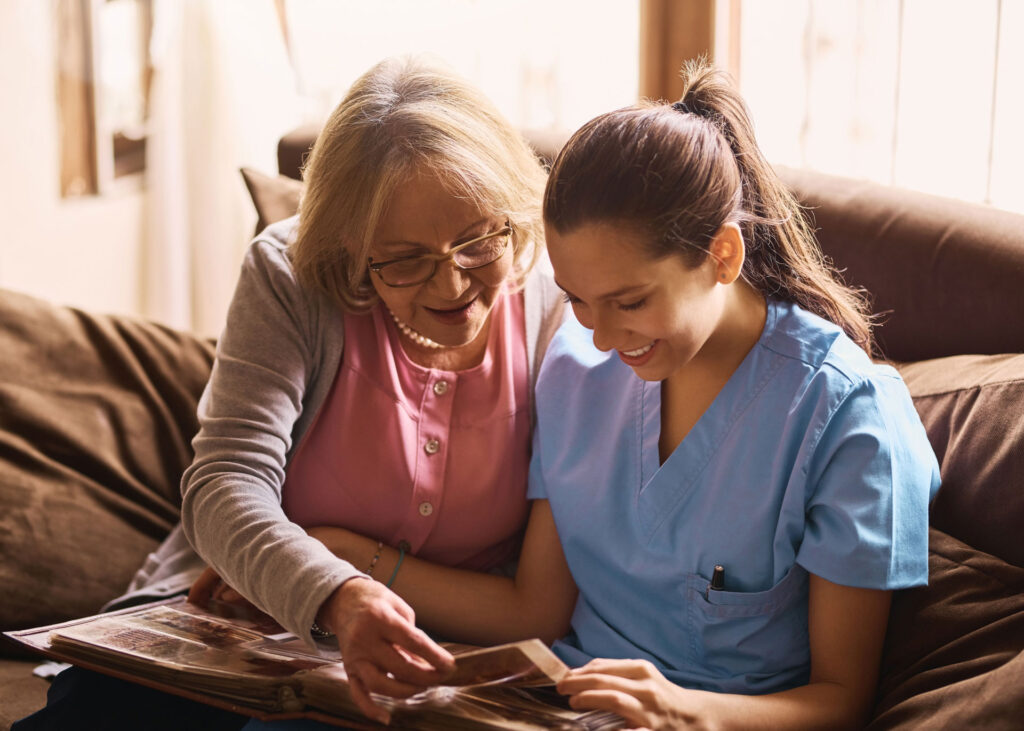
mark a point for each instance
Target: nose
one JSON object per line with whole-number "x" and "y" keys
{"x": 449, "y": 281}
{"x": 605, "y": 332}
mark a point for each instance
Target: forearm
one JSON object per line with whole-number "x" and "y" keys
{"x": 249, "y": 541}
{"x": 815, "y": 706}
{"x": 847, "y": 628}
{"x": 475, "y": 607}
{"x": 470, "y": 606}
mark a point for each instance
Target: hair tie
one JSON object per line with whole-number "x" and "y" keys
{"x": 681, "y": 107}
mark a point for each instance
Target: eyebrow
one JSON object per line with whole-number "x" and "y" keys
{"x": 608, "y": 295}
{"x": 461, "y": 235}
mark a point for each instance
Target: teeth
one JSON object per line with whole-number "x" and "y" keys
{"x": 639, "y": 352}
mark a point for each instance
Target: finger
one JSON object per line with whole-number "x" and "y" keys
{"x": 405, "y": 667}
{"x": 361, "y": 697}
{"x": 376, "y": 681}
{"x": 415, "y": 641}
{"x": 635, "y": 669}
{"x": 625, "y": 705}
{"x": 202, "y": 588}
{"x": 580, "y": 682}
{"x": 228, "y": 594}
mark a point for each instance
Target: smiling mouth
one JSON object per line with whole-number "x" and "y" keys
{"x": 452, "y": 310}
{"x": 454, "y": 316}
{"x": 639, "y": 351}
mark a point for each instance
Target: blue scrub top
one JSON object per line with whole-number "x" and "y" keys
{"x": 811, "y": 459}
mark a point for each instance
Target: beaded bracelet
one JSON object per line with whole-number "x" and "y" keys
{"x": 403, "y": 546}
{"x": 319, "y": 632}
{"x": 376, "y": 558}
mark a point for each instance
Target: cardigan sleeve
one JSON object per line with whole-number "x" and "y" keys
{"x": 267, "y": 362}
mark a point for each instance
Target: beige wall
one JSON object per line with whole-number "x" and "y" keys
{"x": 85, "y": 251}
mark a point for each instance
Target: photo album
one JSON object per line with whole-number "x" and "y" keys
{"x": 250, "y": 665}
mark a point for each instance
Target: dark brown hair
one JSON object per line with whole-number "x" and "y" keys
{"x": 676, "y": 173}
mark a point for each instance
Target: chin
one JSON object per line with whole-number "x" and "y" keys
{"x": 457, "y": 337}
{"x": 649, "y": 374}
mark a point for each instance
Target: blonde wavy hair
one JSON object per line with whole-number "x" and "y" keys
{"x": 407, "y": 114}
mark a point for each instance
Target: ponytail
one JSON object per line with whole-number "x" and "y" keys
{"x": 678, "y": 172}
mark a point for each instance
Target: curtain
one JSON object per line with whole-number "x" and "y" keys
{"x": 222, "y": 94}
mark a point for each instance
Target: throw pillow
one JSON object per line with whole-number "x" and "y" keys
{"x": 275, "y": 197}
{"x": 954, "y": 651}
{"x": 971, "y": 407}
{"x": 97, "y": 414}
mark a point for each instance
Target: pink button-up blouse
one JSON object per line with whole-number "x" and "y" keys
{"x": 435, "y": 458}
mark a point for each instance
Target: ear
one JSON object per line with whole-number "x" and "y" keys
{"x": 728, "y": 252}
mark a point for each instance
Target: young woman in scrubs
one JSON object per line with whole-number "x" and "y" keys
{"x": 730, "y": 482}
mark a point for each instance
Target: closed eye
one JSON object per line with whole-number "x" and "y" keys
{"x": 633, "y": 305}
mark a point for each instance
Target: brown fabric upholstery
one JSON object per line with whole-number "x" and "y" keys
{"x": 973, "y": 410}
{"x": 954, "y": 653}
{"x": 96, "y": 418}
{"x": 949, "y": 274}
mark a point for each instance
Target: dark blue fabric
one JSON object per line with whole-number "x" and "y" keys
{"x": 82, "y": 699}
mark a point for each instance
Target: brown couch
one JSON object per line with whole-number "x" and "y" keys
{"x": 96, "y": 413}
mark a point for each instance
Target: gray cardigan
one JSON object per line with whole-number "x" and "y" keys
{"x": 275, "y": 364}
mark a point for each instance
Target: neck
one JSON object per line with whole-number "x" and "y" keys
{"x": 428, "y": 353}
{"x": 738, "y": 331}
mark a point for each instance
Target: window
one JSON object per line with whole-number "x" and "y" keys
{"x": 546, "y": 65}
{"x": 923, "y": 94}
{"x": 103, "y": 77}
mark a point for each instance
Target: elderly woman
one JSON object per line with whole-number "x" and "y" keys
{"x": 375, "y": 374}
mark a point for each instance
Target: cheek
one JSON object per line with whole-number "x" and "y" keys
{"x": 493, "y": 276}
{"x": 396, "y": 299}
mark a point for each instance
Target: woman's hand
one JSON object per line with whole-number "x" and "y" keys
{"x": 383, "y": 650}
{"x": 637, "y": 691}
{"x": 210, "y": 591}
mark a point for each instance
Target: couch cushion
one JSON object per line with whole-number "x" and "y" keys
{"x": 973, "y": 410}
{"x": 954, "y": 652}
{"x": 96, "y": 418}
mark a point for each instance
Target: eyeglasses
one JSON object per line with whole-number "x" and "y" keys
{"x": 408, "y": 271}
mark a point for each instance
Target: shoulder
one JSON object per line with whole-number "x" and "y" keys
{"x": 270, "y": 302}
{"x": 822, "y": 359}
{"x": 836, "y": 394}
{"x": 269, "y": 251}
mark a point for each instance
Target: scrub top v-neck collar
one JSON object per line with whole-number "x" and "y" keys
{"x": 661, "y": 487}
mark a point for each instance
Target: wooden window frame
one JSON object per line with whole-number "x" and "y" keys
{"x": 673, "y": 31}
{"x": 94, "y": 157}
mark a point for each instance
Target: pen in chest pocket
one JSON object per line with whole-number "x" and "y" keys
{"x": 717, "y": 580}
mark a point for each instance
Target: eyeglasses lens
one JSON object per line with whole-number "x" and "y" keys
{"x": 476, "y": 255}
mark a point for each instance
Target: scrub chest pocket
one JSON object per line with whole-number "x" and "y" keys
{"x": 747, "y": 638}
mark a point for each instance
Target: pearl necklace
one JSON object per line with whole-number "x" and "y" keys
{"x": 422, "y": 340}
